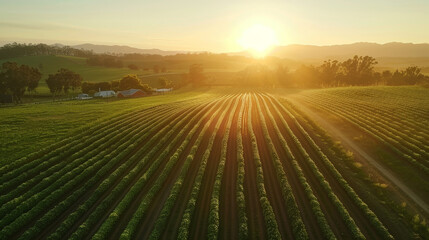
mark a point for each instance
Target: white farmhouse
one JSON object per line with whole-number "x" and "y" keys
{"x": 105, "y": 94}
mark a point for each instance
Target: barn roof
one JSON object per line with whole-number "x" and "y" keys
{"x": 130, "y": 92}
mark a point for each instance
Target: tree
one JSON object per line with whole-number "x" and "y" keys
{"x": 54, "y": 84}
{"x": 409, "y": 76}
{"x": 386, "y": 76}
{"x": 329, "y": 73}
{"x": 156, "y": 69}
{"x": 17, "y": 79}
{"x": 164, "y": 82}
{"x": 129, "y": 82}
{"x": 358, "y": 70}
{"x": 132, "y": 81}
{"x": 413, "y": 75}
{"x": 63, "y": 80}
{"x": 196, "y": 74}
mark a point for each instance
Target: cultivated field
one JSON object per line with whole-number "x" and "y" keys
{"x": 389, "y": 123}
{"x": 233, "y": 165}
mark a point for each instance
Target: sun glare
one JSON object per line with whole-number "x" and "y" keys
{"x": 258, "y": 39}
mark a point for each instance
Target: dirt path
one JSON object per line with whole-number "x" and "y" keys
{"x": 359, "y": 151}
{"x": 228, "y": 209}
{"x": 257, "y": 229}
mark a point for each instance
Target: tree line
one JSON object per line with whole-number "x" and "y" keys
{"x": 356, "y": 71}
{"x": 12, "y": 50}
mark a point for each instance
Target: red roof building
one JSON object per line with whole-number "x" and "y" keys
{"x": 131, "y": 93}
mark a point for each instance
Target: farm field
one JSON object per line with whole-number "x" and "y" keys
{"x": 233, "y": 164}
{"x": 49, "y": 122}
{"x": 389, "y": 123}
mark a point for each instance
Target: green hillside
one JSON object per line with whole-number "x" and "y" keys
{"x": 51, "y": 64}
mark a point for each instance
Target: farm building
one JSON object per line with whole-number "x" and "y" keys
{"x": 131, "y": 93}
{"x": 105, "y": 94}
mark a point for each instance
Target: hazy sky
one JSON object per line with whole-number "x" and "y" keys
{"x": 213, "y": 25}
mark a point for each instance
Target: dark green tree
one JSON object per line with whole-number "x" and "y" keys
{"x": 17, "y": 79}
{"x": 63, "y": 80}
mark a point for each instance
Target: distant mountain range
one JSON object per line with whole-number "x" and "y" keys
{"x": 295, "y": 51}
{"x": 116, "y": 49}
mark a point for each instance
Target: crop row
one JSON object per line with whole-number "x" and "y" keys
{"x": 190, "y": 206}
{"x": 100, "y": 188}
{"x": 139, "y": 213}
{"x": 350, "y": 223}
{"x": 95, "y": 166}
{"x": 52, "y": 174}
{"x": 398, "y": 120}
{"x": 353, "y": 195}
{"x": 243, "y": 231}
{"x": 406, "y": 142}
{"x": 166, "y": 210}
{"x": 136, "y": 185}
{"x": 315, "y": 205}
{"x": 82, "y": 134}
{"x": 269, "y": 216}
{"x": 379, "y": 136}
{"x": 213, "y": 227}
{"x": 292, "y": 207}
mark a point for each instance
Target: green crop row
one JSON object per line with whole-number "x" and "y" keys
{"x": 136, "y": 187}
{"x": 269, "y": 216}
{"x": 243, "y": 231}
{"x": 213, "y": 227}
{"x": 139, "y": 213}
{"x": 353, "y": 195}
{"x": 59, "y": 208}
{"x": 382, "y": 128}
{"x": 53, "y": 150}
{"x": 350, "y": 223}
{"x": 315, "y": 205}
{"x": 380, "y": 136}
{"x": 53, "y": 173}
{"x": 40, "y": 200}
{"x": 190, "y": 207}
{"x": 106, "y": 141}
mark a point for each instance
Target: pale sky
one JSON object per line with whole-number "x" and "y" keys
{"x": 212, "y": 25}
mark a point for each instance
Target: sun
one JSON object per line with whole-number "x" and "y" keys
{"x": 258, "y": 39}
